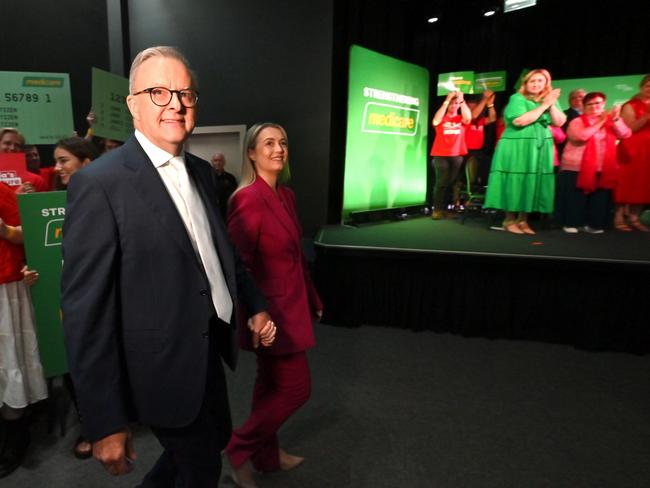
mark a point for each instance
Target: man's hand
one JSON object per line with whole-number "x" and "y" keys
{"x": 116, "y": 452}
{"x": 262, "y": 328}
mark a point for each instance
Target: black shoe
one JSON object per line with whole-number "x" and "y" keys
{"x": 15, "y": 447}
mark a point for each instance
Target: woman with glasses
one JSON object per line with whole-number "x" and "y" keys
{"x": 589, "y": 169}
{"x": 633, "y": 191}
{"x": 263, "y": 225}
{"x": 522, "y": 179}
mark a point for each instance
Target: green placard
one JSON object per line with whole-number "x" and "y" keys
{"x": 113, "y": 119}
{"x": 42, "y": 217}
{"x": 385, "y": 154}
{"x": 490, "y": 80}
{"x": 457, "y": 81}
{"x": 36, "y": 104}
{"x": 618, "y": 89}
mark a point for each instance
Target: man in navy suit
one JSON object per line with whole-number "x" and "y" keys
{"x": 150, "y": 287}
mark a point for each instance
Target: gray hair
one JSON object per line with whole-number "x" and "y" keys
{"x": 160, "y": 52}
{"x": 575, "y": 92}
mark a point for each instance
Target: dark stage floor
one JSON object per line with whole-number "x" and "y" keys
{"x": 423, "y": 235}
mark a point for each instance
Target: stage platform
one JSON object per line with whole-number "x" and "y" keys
{"x": 590, "y": 291}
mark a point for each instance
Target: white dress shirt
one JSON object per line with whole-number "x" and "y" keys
{"x": 190, "y": 207}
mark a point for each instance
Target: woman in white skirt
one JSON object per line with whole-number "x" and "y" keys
{"x": 21, "y": 374}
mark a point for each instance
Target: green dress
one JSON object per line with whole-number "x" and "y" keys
{"x": 522, "y": 178}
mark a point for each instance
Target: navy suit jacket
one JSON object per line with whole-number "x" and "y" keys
{"x": 135, "y": 298}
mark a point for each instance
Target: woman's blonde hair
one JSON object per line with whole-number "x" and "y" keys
{"x": 248, "y": 173}
{"x": 547, "y": 89}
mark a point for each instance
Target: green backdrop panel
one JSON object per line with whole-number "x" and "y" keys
{"x": 386, "y": 148}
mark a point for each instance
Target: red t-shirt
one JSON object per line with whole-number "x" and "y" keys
{"x": 37, "y": 182}
{"x": 475, "y": 134}
{"x": 11, "y": 255}
{"x": 450, "y": 137}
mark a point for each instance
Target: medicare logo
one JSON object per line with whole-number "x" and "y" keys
{"x": 384, "y": 118}
{"x": 54, "y": 233}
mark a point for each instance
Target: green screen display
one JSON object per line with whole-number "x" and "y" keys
{"x": 386, "y": 149}
{"x": 618, "y": 89}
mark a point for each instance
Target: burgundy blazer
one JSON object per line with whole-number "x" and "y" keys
{"x": 264, "y": 227}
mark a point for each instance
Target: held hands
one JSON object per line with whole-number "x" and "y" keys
{"x": 263, "y": 329}
{"x": 115, "y": 452}
{"x": 488, "y": 96}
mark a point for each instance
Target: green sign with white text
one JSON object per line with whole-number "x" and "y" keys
{"x": 385, "y": 155}
{"x": 36, "y": 104}
{"x": 113, "y": 119}
{"x": 490, "y": 80}
{"x": 42, "y": 217}
{"x": 617, "y": 89}
{"x": 462, "y": 81}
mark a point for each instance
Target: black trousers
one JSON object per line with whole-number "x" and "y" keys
{"x": 574, "y": 208}
{"x": 446, "y": 168}
{"x": 192, "y": 454}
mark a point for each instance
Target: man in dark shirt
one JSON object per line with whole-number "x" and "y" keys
{"x": 226, "y": 182}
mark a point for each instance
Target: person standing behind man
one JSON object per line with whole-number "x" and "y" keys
{"x": 149, "y": 286}
{"x": 575, "y": 106}
{"x": 226, "y": 182}
{"x": 575, "y": 110}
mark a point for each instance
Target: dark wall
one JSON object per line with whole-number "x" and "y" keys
{"x": 65, "y": 36}
{"x": 257, "y": 61}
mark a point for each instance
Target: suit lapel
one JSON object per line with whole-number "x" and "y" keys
{"x": 150, "y": 188}
{"x": 279, "y": 209}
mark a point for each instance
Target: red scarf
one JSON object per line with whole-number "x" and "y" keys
{"x": 588, "y": 169}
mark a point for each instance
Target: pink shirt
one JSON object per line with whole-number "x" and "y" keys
{"x": 577, "y": 135}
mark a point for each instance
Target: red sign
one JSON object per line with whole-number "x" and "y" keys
{"x": 13, "y": 168}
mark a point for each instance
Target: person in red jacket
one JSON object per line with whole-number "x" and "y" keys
{"x": 263, "y": 225}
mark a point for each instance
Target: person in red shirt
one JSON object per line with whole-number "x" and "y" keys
{"x": 449, "y": 147}
{"x": 33, "y": 157}
{"x": 477, "y": 160}
{"x": 21, "y": 374}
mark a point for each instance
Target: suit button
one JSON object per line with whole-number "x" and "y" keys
{"x": 203, "y": 292}
{"x": 205, "y": 335}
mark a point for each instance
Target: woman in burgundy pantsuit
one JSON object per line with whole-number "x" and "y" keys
{"x": 263, "y": 224}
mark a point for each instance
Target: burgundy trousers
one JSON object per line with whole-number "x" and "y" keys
{"x": 282, "y": 385}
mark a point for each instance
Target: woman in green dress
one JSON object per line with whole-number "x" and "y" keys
{"x": 522, "y": 179}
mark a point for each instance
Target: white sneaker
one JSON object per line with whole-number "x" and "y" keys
{"x": 591, "y": 230}
{"x": 570, "y": 230}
